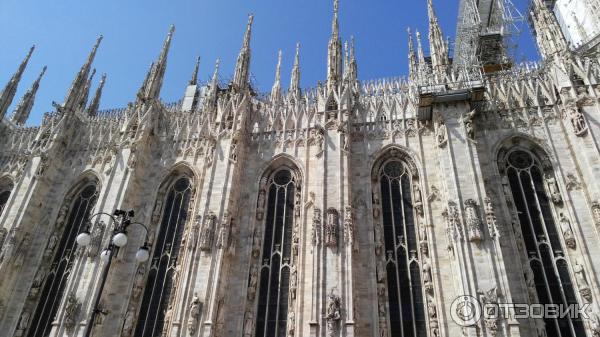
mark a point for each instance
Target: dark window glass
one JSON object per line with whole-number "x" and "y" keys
{"x": 159, "y": 286}
{"x": 542, "y": 240}
{"x": 404, "y": 290}
{"x": 4, "y": 195}
{"x": 273, "y": 296}
{"x": 54, "y": 285}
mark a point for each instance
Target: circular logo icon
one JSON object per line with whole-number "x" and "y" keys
{"x": 465, "y": 310}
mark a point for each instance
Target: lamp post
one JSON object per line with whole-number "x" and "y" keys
{"x": 122, "y": 221}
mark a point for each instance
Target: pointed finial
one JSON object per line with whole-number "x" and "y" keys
{"x": 242, "y": 67}
{"x": 77, "y": 90}
{"x": 248, "y": 34}
{"x": 335, "y": 25}
{"x": 412, "y": 58}
{"x": 23, "y": 109}
{"x": 216, "y": 72}
{"x": 95, "y": 104}
{"x": 8, "y": 94}
{"x": 194, "y": 80}
{"x": 295, "y": 80}
{"x": 276, "y": 90}
{"x": 420, "y": 52}
{"x": 211, "y": 97}
{"x": 154, "y": 78}
{"x": 86, "y": 90}
{"x": 278, "y": 70}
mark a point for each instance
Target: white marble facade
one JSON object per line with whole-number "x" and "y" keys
{"x": 454, "y": 131}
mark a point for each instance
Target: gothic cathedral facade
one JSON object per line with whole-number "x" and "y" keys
{"x": 351, "y": 209}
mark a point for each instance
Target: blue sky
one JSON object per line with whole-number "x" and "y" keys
{"x": 64, "y": 32}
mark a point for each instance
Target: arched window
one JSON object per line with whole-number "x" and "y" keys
{"x": 159, "y": 286}
{"x": 54, "y": 285}
{"x": 548, "y": 272}
{"x": 274, "y": 286}
{"x": 398, "y": 263}
{"x": 6, "y": 187}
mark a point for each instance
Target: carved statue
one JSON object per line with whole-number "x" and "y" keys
{"x": 156, "y": 212}
{"x": 490, "y": 217}
{"x": 138, "y": 281}
{"x": 295, "y": 241}
{"x": 3, "y": 234}
{"x": 23, "y": 323}
{"x": 427, "y": 279}
{"x": 320, "y": 140}
{"x": 38, "y": 281}
{"x": 331, "y": 230}
{"x": 71, "y": 311}
{"x": 249, "y": 324}
{"x": 596, "y": 213}
{"x": 553, "y": 189}
{"x": 376, "y": 205}
{"x": 128, "y": 323}
{"x": 418, "y": 202}
{"x": 233, "y": 152}
{"x": 52, "y": 242}
{"x": 468, "y": 121}
{"x": 22, "y": 250}
{"x": 565, "y": 226}
{"x": 441, "y": 135}
{"x": 595, "y": 324}
{"x": 577, "y": 120}
{"x": 381, "y": 271}
{"x": 97, "y": 233}
{"x": 349, "y": 226}
{"x": 291, "y": 323}
{"x": 473, "y": 222}
{"x": 195, "y": 309}
{"x": 206, "y": 237}
{"x": 584, "y": 288}
{"x": 256, "y": 243}
{"x": 378, "y": 239}
{"x": 293, "y": 281}
{"x": 253, "y": 283}
{"x": 383, "y": 332}
{"x": 333, "y": 314}
{"x": 224, "y": 231}
{"x": 316, "y": 227}
{"x": 260, "y": 207}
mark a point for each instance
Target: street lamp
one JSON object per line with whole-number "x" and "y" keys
{"x": 122, "y": 221}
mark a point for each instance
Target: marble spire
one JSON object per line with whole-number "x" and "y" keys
{"x": 334, "y": 51}
{"x": 154, "y": 79}
{"x": 295, "y": 79}
{"x": 276, "y": 96}
{"x": 23, "y": 109}
{"x": 77, "y": 89}
{"x": 8, "y": 94}
{"x": 242, "y": 67}
{"x": 437, "y": 43}
{"x": 194, "y": 80}
{"x": 95, "y": 103}
{"x": 86, "y": 91}
{"x": 413, "y": 66}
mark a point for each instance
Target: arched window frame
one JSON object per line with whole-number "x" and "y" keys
{"x": 416, "y": 278}
{"x": 264, "y": 258}
{"x": 147, "y": 273}
{"x": 537, "y": 205}
{"x": 6, "y": 187}
{"x": 59, "y": 255}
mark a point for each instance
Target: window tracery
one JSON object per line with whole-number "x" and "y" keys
{"x": 156, "y": 308}
{"x": 53, "y": 282}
